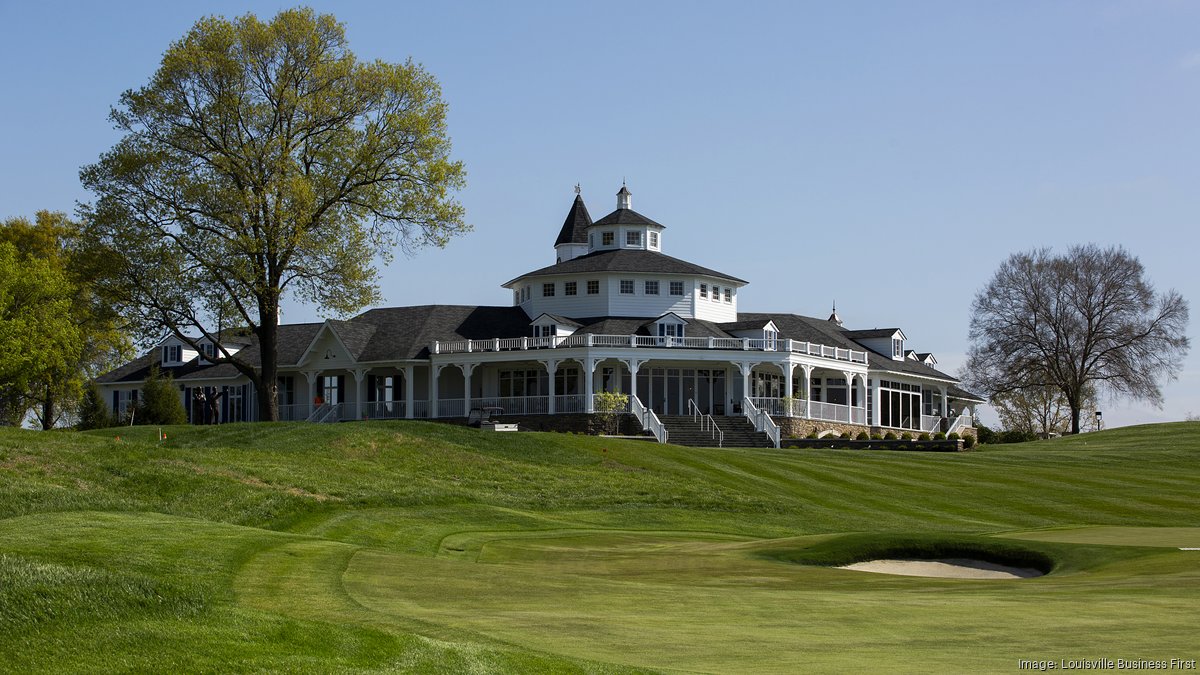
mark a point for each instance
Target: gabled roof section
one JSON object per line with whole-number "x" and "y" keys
{"x": 626, "y": 217}
{"x": 574, "y": 229}
{"x": 560, "y": 320}
{"x": 354, "y": 335}
{"x": 874, "y": 333}
{"x": 668, "y": 315}
{"x": 625, "y": 260}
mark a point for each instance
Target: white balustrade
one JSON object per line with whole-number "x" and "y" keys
{"x": 635, "y": 341}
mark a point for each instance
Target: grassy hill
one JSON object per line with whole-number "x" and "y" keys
{"x": 417, "y": 546}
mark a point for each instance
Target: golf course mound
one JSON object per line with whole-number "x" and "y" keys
{"x": 923, "y": 555}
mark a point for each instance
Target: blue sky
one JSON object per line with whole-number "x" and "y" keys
{"x": 884, "y": 155}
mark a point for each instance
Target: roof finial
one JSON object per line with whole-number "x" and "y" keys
{"x": 578, "y": 189}
{"x": 834, "y": 318}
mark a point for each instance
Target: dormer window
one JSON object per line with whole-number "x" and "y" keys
{"x": 653, "y": 240}
{"x": 545, "y": 331}
{"x": 606, "y": 238}
{"x": 172, "y": 353}
{"x": 897, "y": 348}
{"x": 207, "y": 348}
{"x": 670, "y": 330}
{"x": 633, "y": 238}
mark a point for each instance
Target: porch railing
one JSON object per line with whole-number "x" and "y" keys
{"x": 384, "y": 410}
{"x": 960, "y": 422}
{"x": 515, "y": 405}
{"x": 707, "y": 423}
{"x": 570, "y": 403}
{"x": 931, "y": 423}
{"x": 293, "y": 412}
{"x": 761, "y": 420}
{"x": 644, "y": 341}
{"x": 648, "y": 419}
{"x": 814, "y": 410}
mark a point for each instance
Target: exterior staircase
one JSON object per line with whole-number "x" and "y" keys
{"x": 739, "y": 433}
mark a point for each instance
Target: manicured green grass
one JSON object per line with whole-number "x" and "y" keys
{"x": 416, "y": 546}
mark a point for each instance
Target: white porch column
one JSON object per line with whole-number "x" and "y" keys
{"x": 945, "y": 402}
{"x": 360, "y": 376}
{"x": 408, "y": 392}
{"x": 589, "y": 383}
{"x": 551, "y": 369}
{"x": 434, "y": 371}
{"x": 311, "y": 376}
{"x": 789, "y": 369}
{"x": 746, "y": 367}
{"x": 807, "y": 391}
{"x": 634, "y": 365}
{"x": 467, "y": 369}
{"x": 849, "y": 394}
{"x": 875, "y": 412}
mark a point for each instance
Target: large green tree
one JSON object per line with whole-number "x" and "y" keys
{"x": 261, "y": 160}
{"x": 1084, "y": 322}
{"x": 94, "y": 341}
{"x": 37, "y": 336}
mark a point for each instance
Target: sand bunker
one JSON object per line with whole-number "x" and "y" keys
{"x": 949, "y": 568}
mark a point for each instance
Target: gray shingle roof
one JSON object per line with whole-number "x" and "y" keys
{"x": 871, "y": 333}
{"x": 626, "y": 217}
{"x": 625, "y": 260}
{"x": 574, "y": 229}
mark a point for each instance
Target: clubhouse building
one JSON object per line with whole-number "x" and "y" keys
{"x": 614, "y": 313}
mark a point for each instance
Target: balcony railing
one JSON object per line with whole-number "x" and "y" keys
{"x": 647, "y": 341}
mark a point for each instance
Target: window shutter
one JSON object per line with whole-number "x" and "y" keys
{"x": 224, "y": 403}
{"x": 341, "y": 388}
{"x": 245, "y": 402}
{"x": 187, "y": 403}
{"x": 116, "y": 403}
{"x": 370, "y": 388}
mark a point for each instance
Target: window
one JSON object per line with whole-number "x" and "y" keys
{"x": 704, "y": 290}
{"x": 627, "y": 287}
{"x": 653, "y": 240}
{"x": 676, "y": 288}
{"x": 606, "y": 238}
{"x": 593, "y": 287}
{"x": 592, "y": 240}
{"x": 172, "y": 353}
{"x": 716, "y": 293}
{"x": 897, "y": 348}
{"x": 329, "y": 389}
{"x": 651, "y": 288}
{"x": 670, "y": 330}
{"x": 566, "y": 382}
{"x": 569, "y": 288}
{"x": 516, "y": 297}
{"x": 520, "y": 382}
{"x": 728, "y": 295}
{"x": 633, "y": 238}
{"x": 547, "y": 290}
{"x": 545, "y": 331}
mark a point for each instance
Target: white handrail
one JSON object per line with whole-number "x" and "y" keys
{"x": 958, "y": 423}
{"x": 594, "y": 340}
{"x": 707, "y": 423}
{"x": 761, "y": 420}
{"x": 648, "y": 419}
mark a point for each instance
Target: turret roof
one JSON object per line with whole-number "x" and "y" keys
{"x": 574, "y": 229}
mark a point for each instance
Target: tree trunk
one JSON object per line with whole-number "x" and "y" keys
{"x": 268, "y": 386}
{"x": 48, "y": 410}
{"x": 1074, "y": 418}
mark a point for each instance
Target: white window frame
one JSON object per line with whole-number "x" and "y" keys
{"x": 677, "y": 288}
{"x": 607, "y": 238}
{"x": 627, "y": 284}
{"x": 570, "y": 288}
{"x": 653, "y": 240}
{"x": 704, "y": 290}
{"x": 650, "y": 287}
{"x": 593, "y": 287}
{"x": 633, "y": 238}
{"x": 548, "y": 290}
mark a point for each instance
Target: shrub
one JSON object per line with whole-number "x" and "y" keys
{"x": 847, "y": 436}
{"x": 889, "y": 436}
{"x": 952, "y": 437}
{"x": 939, "y": 436}
{"x": 877, "y": 437}
{"x": 863, "y": 436}
{"x": 906, "y": 436}
{"x": 160, "y": 400}
{"x": 93, "y": 413}
{"x": 812, "y": 435}
{"x": 986, "y": 435}
{"x": 968, "y": 442}
{"x": 923, "y": 437}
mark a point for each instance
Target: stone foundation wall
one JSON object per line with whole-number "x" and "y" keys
{"x": 797, "y": 427}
